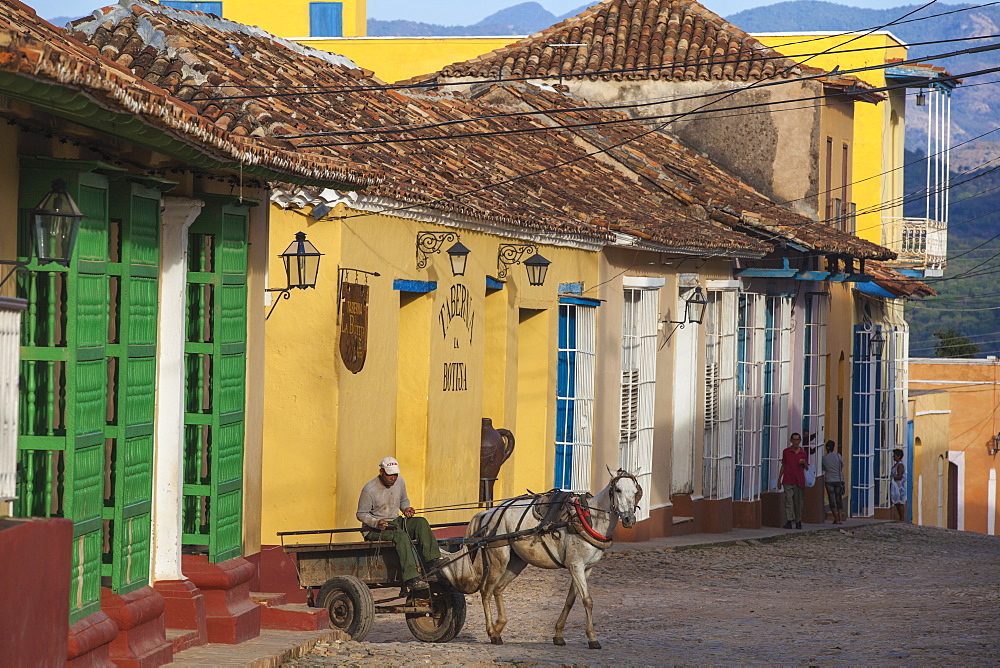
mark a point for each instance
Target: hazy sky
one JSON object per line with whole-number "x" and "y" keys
{"x": 449, "y": 12}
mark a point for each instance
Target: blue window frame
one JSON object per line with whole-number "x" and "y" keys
{"x": 864, "y": 379}
{"x": 326, "y": 19}
{"x": 189, "y": 5}
{"x": 575, "y": 393}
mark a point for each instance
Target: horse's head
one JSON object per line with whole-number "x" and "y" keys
{"x": 625, "y": 495}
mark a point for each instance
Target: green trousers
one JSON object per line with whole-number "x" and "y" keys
{"x": 401, "y": 531}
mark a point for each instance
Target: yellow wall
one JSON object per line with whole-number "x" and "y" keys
{"x": 878, "y": 133}
{"x": 293, "y": 18}
{"x": 325, "y": 428}
{"x": 399, "y": 58}
{"x": 931, "y": 417}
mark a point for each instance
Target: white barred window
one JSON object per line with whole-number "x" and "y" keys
{"x": 814, "y": 375}
{"x": 777, "y": 384}
{"x": 749, "y": 396}
{"x": 10, "y": 351}
{"x": 720, "y": 394}
{"x": 635, "y": 446}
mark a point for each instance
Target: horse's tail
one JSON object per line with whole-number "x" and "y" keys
{"x": 464, "y": 569}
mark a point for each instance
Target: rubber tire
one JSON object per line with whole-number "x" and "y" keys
{"x": 447, "y": 625}
{"x": 350, "y": 605}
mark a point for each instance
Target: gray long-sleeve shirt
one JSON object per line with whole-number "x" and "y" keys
{"x": 378, "y": 502}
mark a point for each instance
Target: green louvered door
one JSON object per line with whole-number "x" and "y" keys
{"x": 134, "y": 254}
{"x": 215, "y": 380}
{"x": 64, "y": 380}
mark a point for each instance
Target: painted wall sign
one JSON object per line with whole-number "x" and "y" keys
{"x": 458, "y": 306}
{"x": 353, "y": 325}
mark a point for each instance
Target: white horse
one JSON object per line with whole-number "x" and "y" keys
{"x": 573, "y": 536}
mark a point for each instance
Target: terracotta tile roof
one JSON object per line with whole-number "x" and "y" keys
{"x": 35, "y": 49}
{"x": 635, "y": 39}
{"x": 523, "y": 174}
{"x": 897, "y": 283}
{"x": 684, "y": 174}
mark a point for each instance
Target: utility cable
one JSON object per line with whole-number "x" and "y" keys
{"x": 578, "y": 158}
{"x": 628, "y": 70}
{"x": 723, "y": 94}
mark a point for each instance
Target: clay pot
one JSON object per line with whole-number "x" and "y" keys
{"x": 496, "y": 446}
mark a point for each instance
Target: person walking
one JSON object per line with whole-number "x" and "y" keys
{"x": 833, "y": 479}
{"x": 379, "y": 505}
{"x": 897, "y": 484}
{"x": 792, "y": 477}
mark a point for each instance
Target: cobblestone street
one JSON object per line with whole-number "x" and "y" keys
{"x": 880, "y": 594}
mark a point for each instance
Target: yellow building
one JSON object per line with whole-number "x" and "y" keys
{"x": 346, "y": 18}
{"x": 877, "y": 154}
{"x": 879, "y": 135}
{"x": 440, "y": 352}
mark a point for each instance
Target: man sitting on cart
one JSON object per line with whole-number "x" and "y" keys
{"x": 378, "y": 510}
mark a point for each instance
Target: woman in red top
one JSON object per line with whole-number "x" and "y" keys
{"x": 792, "y": 477}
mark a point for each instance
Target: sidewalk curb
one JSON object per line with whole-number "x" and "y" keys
{"x": 770, "y": 535}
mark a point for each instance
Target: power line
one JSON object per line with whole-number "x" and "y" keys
{"x": 686, "y": 63}
{"x": 601, "y": 150}
{"x": 713, "y": 113}
{"x": 764, "y": 83}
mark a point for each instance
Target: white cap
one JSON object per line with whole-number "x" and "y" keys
{"x": 389, "y": 465}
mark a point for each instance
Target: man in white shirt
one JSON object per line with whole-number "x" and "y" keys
{"x": 379, "y": 506}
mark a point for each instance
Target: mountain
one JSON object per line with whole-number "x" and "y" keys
{"x": 966, "y": 294}
{"x": 521, "y": 19}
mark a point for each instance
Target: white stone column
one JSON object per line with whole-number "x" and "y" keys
{"x": 177, "y": 215}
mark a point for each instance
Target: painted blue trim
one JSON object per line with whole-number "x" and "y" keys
{"x": 912, "y": 273}
{"x": 207, "y": 7}
{"x": 767, "y": 273}
{"x": 837, "y": 278}
{"x": 580, "y": 301}
{"x": 874, "y": 289}
{"x": 859, "y": 278}
{"x": 812, "y": 275}
{"x": 493, "y": 284}
{"x": 571, "y": 288}
{"x": 404, "y": 285}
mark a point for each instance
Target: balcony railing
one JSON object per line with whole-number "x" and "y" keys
{"x": 921, "y": 243}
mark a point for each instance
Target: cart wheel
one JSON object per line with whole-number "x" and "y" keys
{"x": 444, "y": 623}
{"x": 350, "y": 604}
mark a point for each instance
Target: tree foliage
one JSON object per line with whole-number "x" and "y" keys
{"x": 952, "y": 344}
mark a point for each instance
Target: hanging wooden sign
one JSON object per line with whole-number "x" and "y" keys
{"x": 353, "y": 325}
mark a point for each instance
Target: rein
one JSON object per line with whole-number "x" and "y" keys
{"x": 582, "y": 514}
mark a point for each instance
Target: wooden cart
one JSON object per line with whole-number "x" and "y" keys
{"x": 342, "y": 576}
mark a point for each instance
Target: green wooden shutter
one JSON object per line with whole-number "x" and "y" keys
{"x": 215, "y": 374}
{"x": 132, "y": 276}
{"x": 64, "y": 380}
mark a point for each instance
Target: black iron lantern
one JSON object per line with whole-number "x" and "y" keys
{"x": 459, "y": 255}
{"x": 877, "y": 344}
{"x": 301, "y": 263}
{"x": 993, "y": 445}
{"x": 695, "y": 306}
{"x": 921, "y": 99}
{"x": 57, "y": 222}
{"x": 537, "y": 266}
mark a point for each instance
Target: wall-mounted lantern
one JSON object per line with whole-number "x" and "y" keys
{"x": 301, "y": 260}
{"x": 876, "y": 346}
{"x": 429, "y": 243}
{"x": 57, "y": 222}
{"x": 993, "y": 445}
{"x": 458, "y": 254}
{"x": 921, "y": 99}
{"x": 694, "y": 308}
{"x": 536, "y": 265}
